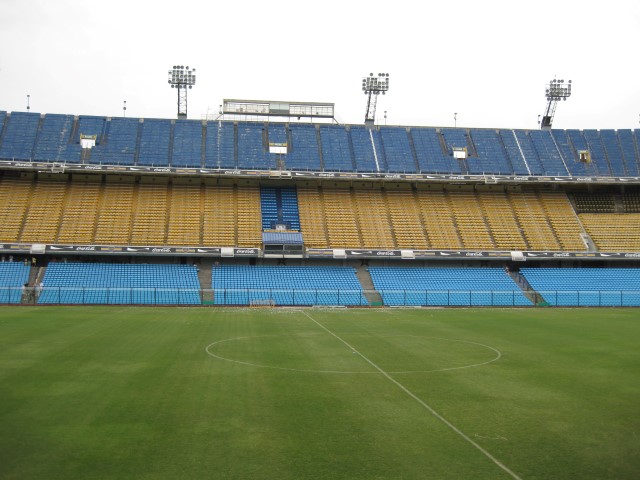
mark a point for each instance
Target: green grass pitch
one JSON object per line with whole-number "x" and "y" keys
{"x": 195, "y": 393}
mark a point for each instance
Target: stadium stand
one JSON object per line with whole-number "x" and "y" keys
{"x": 428, "y": 144}
{"x": 349, "y": 192}
{"x": 229, "y": 145}
{"x": 337, "y": 152}
{"x": 252, "y": 148}
{"x": 586, "y": 286}
{"x": 220, "y": 145}
{"x": 446, "y": 286}
{"x": 119, "y": 146}
{"x": 154, "y": 143}
{"x": 397, "y": 149}
{"x": 187, "y": 144}
{"x": 19, "y": 138}
{"x": 103, "y": 283}
{"x": 614, "y": 232}
{"x": 303, "y": 153}
{"x": 54, "y": 139}
{"x": 13, "y": 276}
{"x": 366, "y": 149}
{"x": 279, "y": 206}
{"x": 286, "y": 285}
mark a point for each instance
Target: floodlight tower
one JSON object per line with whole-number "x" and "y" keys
{"x": 372, "y": 87}
{"x": 556, "y": 90}
{"x": 182, "y": 78}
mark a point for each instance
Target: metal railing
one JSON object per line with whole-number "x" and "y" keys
{"x": 316, "y": 297}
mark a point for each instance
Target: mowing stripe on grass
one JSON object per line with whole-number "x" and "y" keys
{"x": 418, "y": 399}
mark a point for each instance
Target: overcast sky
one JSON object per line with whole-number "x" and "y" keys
{"x": 486, "y": 60}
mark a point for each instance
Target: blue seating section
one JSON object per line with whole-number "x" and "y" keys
{"x": 303, "y": 151}
{"x": 119, "y": 144}
{"x": 628, "y": 147}
{"x": 154, "y": 143}
{"x": 446, "y": 286}
{"x": 279, "y": 206}
{"x": 103, "y": 283}
{"x": 220, "y": 146}
{"x": 613, "y": 152}
{"x": 397, "y": 150}
{"x": 19, "y": 137}
{"x": 252, "y": 151}
{"x": 268, "y": 207}
{"x": 277, "y": 133}
{"x": 187, "y": 144}
{"x": 552, "y": 161}
{"x": 336, "y": 151}
{"x": 429, "y": 152}
{"x": 598, "y": 156}
{"x": 90, "y": 126}
{"x": 325, "y": 147}
{"x": 491, "y": 153}
{"x": 586, "y": 286}
{"x": 364, "y": 156}
{"x": 13, "y": 275}
{"x": 570, "y": 142}
{"x": 286, "y": 285}
{"x": 515, "y": 152}
{"x": 289, "y": 206}
{"x": 54, "y": 139}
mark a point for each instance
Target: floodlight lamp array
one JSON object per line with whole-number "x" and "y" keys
{"x": 558, "y": 90}
{"x": 181, "y": 76}
{"x": 375, "y": 85}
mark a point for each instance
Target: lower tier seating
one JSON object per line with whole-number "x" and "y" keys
{"x": 103, "y": 283}
{"x": 446, "y": 286}
{"x": 586, "y": 286}
{"x": 13, "y": 275}
{"x": 286, "y": 285}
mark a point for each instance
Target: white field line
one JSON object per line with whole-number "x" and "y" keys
{"x": 419, "y": 400}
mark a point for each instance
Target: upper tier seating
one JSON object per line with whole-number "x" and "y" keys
{"x": 104, "y": 283}
{"x": 286, "y": 285}
{"x": 13, "y": 275}
{"x": 245, "y": 145}
{"x": 119, "y": 144}
{"x": 446, "y": 286}
{"x": 154, "y": 143}
{"x": 187, "y": 144}
{"x": 586, "y": 286}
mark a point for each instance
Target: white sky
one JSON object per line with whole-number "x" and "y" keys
{"x": 487, "y": 60}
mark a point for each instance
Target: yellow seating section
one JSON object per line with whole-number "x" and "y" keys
{"x": 563, "y": 220}
{"x": 341, "y": 218}
{"x": 149, "y": 223}
{"x": 14, "y": 201}
{"x": 613, "y": 232}
{"x": 185, "y": 216}
{"x": 470, "y": 221}
{"x": 438, "y": 220}
{"x": 115, "y": 212}
{"x": 502, "y": 221}
{"x": 42, "y": 217}
{"x": 249, "y": 220}
{"x": 77, "y": 225}
{"x": 312, "y": 217}
{"x": 84, "y": 212}
{"x": 219, "y": 225}
{"x": 373, "y": 218}
{"x": 404, "y": 215}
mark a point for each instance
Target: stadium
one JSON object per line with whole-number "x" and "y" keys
{"x": 276, "y": 204}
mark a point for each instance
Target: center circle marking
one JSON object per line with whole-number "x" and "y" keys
{"x": 209, "y": 350}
